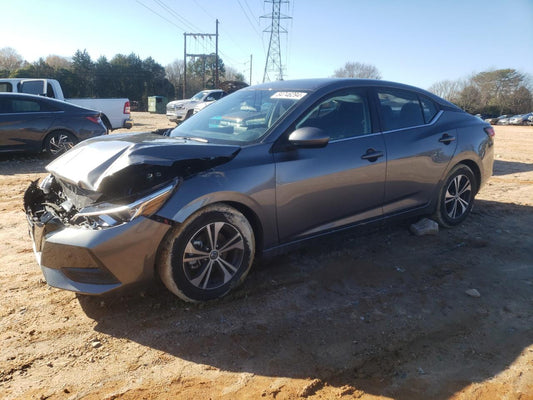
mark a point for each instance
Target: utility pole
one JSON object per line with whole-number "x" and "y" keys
{"x": 251, "y": 58}
{"x": 184, "y": 64}
{"x": 273, "y": 60}
{"x": 216, "y": 51}
{"x": 185, "y": 55}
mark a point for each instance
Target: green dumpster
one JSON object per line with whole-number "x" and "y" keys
{"x": 157, "y": 104}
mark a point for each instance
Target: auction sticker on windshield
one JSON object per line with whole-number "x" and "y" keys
{"x": 288, "y": 95}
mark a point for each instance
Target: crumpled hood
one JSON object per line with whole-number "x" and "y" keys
{"x": 91, "y": 161}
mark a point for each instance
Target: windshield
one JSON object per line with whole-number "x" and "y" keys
{"x": 199, "y": 96}
{"x": 242, "y": 117}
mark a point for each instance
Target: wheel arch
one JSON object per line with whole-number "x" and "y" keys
{"x": 245, "y": 205}
{"x": 254, "y": 221}
{"x": 475, "y": 169}
{"x": 106, "y": 122}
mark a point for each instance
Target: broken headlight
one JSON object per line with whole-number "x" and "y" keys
{"x": 109, "y": 214}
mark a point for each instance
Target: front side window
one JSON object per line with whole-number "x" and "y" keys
{"x": 242, "y": 117}
{"x": 341, "y": 116}
{"x": 399, "y": 109}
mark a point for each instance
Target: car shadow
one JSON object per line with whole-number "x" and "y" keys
{"x": 510, "y": 167}
{"x": 378, "y": 310}
{"x": 23, "y": 163}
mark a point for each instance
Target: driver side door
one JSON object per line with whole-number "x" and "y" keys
{"x": 340, "y": 184}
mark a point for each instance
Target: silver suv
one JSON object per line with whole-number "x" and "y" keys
{"x": 180, "y": 110}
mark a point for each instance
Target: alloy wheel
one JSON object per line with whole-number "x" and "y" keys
{"x": 213, "y": 255}
{"x": 458, "y": 196}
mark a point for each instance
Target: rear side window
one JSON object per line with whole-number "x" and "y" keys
{"x": 402, "y": 109}
{"x": 8, "y": 106}
{"x": 20, "y": 106}
{"x": 399, "y": 109}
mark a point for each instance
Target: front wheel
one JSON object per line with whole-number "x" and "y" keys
{"x": 456, "y": 197}
{"x": 59, "y": 142}
{"x": 208, "y": 255}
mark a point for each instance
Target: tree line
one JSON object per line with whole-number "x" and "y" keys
{"x": 122, "y": 76}
{"x": 494, "y": 92}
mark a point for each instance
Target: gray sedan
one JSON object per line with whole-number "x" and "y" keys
{"x": 262, "y": 168}
{"x": 34, "y": 123}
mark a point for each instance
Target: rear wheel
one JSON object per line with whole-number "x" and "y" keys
{"x": 208, "y": 255}
{"x": 456, "y": 197}
{"x": 59, "y": 142}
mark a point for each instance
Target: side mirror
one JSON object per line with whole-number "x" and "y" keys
{"x": 309, "y": 136}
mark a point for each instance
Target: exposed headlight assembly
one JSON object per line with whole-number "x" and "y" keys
{"x": 108, "y": 214}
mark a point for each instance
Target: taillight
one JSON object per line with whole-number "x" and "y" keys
{"x": 95, "y": 119}
{"x": 127, "y": 107}
{"x": 489, "y": 130}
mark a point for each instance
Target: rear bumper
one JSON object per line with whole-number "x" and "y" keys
{"x": 95, "y": 261}
{"x": 128, "y": 123}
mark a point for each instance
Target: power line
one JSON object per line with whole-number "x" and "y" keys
{"x": 176, "y": 15}
{"x": 248, "y": 18}
{"x": 156, "y": 13}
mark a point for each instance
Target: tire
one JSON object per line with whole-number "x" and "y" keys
{"x": 188, "y": 115}
{"x": 456, "y": 196}
{"x": 208, "y": 255}
{"x": 58, "y": 142}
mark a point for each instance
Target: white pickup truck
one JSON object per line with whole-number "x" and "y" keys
{"x": 115, "y": 112}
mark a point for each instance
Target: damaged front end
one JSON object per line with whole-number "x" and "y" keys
{"x": 93, "y": 220}
{"x": 98, "y": 247}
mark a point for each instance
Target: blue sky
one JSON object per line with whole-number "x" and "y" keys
{"x": 410, "y": 41}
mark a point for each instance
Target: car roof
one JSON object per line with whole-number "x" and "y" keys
{"x": 59, "y": 103}
{"x": 339, "y": 83}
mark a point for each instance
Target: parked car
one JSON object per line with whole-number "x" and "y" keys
{"x": 522, "y": 119}
{"x": 115, "y": 113}
{"x": 35, "y": 123}
{"x": 265, "y": 167}
{"x": 504, "y": 120}
{"x": 530, "y": 119}
{"x": 494, "y": 120}
{"x": 180, "y": 110}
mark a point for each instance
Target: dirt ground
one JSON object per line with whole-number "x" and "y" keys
{"x": 368, "y": 314}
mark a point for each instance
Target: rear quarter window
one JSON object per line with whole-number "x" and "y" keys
{"x": 429, "y": 109}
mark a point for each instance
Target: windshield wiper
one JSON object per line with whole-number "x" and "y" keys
{"x": 195, "y": 139}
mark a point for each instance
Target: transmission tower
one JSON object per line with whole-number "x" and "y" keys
{"x": 273, "y": 61}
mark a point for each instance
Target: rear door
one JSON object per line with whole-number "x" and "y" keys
{"x": 418, "y": 148}
{"x": 23, "y": 123}
{"x": 320, "y": 189}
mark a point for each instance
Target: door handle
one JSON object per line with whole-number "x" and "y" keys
{"x": 446, "y": 139}
{"x": 372, "y": 155}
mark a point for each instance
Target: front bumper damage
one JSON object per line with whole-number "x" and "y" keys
{"x": 91, "y": 261}
{"x": 93, "y": 220}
